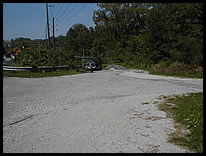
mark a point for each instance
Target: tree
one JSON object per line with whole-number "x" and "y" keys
{"x": 76, "y": 42}
{"x": 133, "y": 34}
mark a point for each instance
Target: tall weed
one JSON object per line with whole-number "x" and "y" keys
{"x": 177, "y": 69}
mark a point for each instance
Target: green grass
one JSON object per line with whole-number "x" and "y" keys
{"x": 28, "y": 74}
{"x": 104, "y": 66}
{"x": 174, "y": 69}
{"x": 187, "y": 111}
{"x": 165, "y": 69}
{"x": 179, "y": 74}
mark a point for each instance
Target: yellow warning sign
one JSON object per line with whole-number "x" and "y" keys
{"x": 17, "y": 50}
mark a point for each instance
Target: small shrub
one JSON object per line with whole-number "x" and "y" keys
{"x": 177, "y": 69}
{"x": 160, "y": 67}
{"x": 199, "y": 69}
{"x": 176, "y": 66}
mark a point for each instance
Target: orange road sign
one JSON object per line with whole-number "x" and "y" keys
{"x": 17, "y": 50}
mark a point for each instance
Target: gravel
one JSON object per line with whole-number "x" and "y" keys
{"x": 108, "y": 111}
{"x": 117, "y": 67}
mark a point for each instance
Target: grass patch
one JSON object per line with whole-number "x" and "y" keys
{"x": 178, "y": 74}
{"x": 104, "y": 66}
{"x": 187, "y": 111}
{"x": 28, "y": 74}
{"x": 176, "y": 69}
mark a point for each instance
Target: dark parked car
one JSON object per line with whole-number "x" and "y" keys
{"x": 92, "y": 66}
{"x": 87, "y": 63}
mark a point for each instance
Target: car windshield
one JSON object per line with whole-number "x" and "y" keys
{"x": 91, "y": 63}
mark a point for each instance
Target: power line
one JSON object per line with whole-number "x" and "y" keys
{"x": 84, "y": 22}
{"x": 55, "y": 10}
{"x": 88, "y": 20}
{"x": 63, "y": 11}
{"x": 52, "y": 11}
{"x": 73, "y": 16}
{"x": 66, "y": 14}
{"x": 59, "y": 9}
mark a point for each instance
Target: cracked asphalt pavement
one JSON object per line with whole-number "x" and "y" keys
{"x": 106, "y": 111}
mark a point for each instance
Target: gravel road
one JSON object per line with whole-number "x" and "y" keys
{"x": 104, "y": 111}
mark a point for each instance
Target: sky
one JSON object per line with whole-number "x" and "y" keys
{"x": 29, "y": 20}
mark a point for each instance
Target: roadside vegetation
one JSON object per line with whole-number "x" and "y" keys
{"x": 174, "y": 69}
{"x": 187, "y": 111}
{"x": 163, "y": 38}
{"x": 177, "y": 69}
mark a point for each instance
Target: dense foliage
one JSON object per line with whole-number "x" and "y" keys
{"x": 149, "y": 33}
{"x": 131, "y": 34}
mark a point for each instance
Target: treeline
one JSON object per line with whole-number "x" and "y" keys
{"x": 131, "y": 34}
{"x": 144, "y": 34}
{"x": 22, "y": 43}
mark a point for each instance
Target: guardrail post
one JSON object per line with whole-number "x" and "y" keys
{"x": 54, "y": 68}
{"x": 34, "y": 69}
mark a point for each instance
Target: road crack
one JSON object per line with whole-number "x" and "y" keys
{"x": 25, "y": 118}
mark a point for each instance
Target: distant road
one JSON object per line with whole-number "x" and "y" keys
{"x": 104, "y": 111}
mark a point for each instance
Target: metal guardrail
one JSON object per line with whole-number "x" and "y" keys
{"x": 42, "y": 68}
{"x": 10, "y": 68}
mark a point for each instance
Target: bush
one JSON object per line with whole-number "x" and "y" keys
{"x": 177, "y": 66}
{"x": 43, "y": 56}
{"x": 162, "y": 66}
{"x": 27, "y": 59}
{"x": 177, "y": 69}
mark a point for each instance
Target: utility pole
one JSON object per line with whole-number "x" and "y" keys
{"x": 48, "y": 24}
{"x": 53, "y": 34}
{"x": 46, "y": 35}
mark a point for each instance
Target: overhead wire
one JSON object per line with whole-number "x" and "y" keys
{"x": 71, "y": 11}
{"x": 73, "y": 16}
{"x": 62, "y": 4}
{"x": 67, "y": 14}
{"x": 52, "y": 11}
{"x": 87, "y": 20}
{"x": 54, "y": 14}
{"x": 64, "y": 10}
